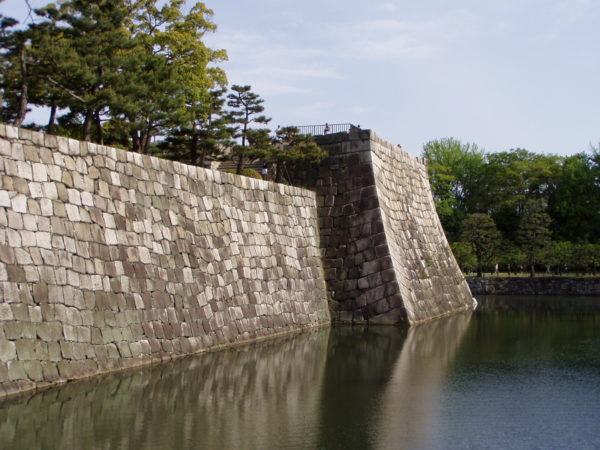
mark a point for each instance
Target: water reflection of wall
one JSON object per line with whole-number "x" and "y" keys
{"x": 249, "y": 397}
{"x": 350, "y": 387}
{"x": 360, "y": 361}
{"x": 405, "y": 418}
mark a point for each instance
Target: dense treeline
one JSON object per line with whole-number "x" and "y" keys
{"x": 517, "y": 209}
{"x": 137, "y": 75}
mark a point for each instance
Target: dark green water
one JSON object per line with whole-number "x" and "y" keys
{"x": 518, "y": 373}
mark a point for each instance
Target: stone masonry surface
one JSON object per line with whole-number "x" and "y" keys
{"x": 431, "y": 283}
{"x": 111, "y": 259}
{"x": 386, "y": 256}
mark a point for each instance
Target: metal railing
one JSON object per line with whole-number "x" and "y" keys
{"x": 327, "y": 128}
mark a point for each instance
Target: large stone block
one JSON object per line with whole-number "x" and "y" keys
{"x": 8, "y": 350}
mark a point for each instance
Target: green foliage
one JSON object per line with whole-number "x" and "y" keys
{"x": 247, "y": 172}
{"x": 204, "y": 135}
{"x": 479, "y": 230}
{"x": 465, "y": 257}
{"x": 140, "y": 65}
{"x": 84, "y": 44}
{"x": 558, "y": 255}
{"x": 510, "y": 180}
{"x": 246, "y": 108}
{"x": 575, "y": 202}
{"x": 291, "y": 148}
{"x": 586, "y": 258}
{"x": 12, "y": 57}
{"x": 534, "y": 232}
{"x": 505, "y": 185}
{"x": 510, "y": 257}
{"x": 455, "y": 171}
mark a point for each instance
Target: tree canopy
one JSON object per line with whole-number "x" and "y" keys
{"x": 480, "y": 231}
{"x": 138, "y": 75}
{"x": 455, "y": 170}
{"x": 134, "y": 65}
{"x": 539, "y": 203}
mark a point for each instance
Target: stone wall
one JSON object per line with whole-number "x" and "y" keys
{"x": 385, "y": 254}
{"x": 535, "y": 286}
{"x": 110, "y": 259}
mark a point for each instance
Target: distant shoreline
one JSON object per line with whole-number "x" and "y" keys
{"x": 545, "y": 285}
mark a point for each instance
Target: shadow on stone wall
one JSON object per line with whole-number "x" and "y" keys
{"x": 385, "y": 254}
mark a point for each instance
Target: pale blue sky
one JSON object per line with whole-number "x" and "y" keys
{"x": 502, "y": 74}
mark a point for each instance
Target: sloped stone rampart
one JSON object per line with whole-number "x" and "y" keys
{"x": 386, "y": 256}
{"x": 110, "y": 259}
{"x": 431, "y": 283}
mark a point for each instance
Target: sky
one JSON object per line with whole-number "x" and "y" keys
{"x": 502, "y": 74}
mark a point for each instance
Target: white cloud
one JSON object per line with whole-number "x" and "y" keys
{"x": 298, "y": 73}
{"x": 392, "y": 39}
{"x": 272, "y": 66}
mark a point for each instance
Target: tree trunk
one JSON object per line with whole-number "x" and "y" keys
{"x": 98, "y": 123}
{"x": 278, "y": 171}
{"x": 135, "y": 142}
{"x": 240, "y": 164}
{"x": 24, "y": 88}
{"x": 52, "y": 119}
{"x": 532, "y": 270}
{"x": 147, "y": 137}
{"x": 87, "y": 125}
{"x": 479, "y": 265}
{"x": 194, "y": 149}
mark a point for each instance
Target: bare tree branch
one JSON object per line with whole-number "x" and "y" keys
{"x": 29, "y": 13}
{"x": 71, "y": 93}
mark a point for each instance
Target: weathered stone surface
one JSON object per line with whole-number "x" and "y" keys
{"x": 8, "y": 350}
{"x": 385, "y": 253}
{"x": 110, "y": 256}
{"x": 109, "y": 259}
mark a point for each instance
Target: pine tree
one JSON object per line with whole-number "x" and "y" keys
{"x": 13, "y": 74}
{"x": 205, "y": 135}
{"x": 83, "y": 50}
{"x": 135, "y": 63}
{"x": 290, "y": 148}
{"x": 480, "y": 231}
{"x": 170, "y": 69}
{"x": 247, "y": 107}
{"x": 534, "y": 232}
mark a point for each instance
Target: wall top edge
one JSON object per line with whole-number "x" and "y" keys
{"x": 358, "y": 134}
{"x": 70, "y": 146}
{"x": 397, "y": 148}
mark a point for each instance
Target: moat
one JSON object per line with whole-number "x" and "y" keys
{"x": 519, "y": 372}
